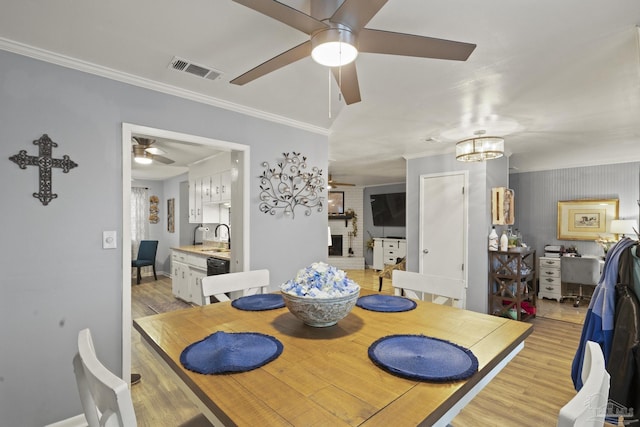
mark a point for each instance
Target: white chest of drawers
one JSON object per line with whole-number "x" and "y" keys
{"x": 386, "y": 251}
{"x": 549, "y": 274}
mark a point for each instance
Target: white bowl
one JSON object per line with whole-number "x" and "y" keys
{"x": 320, "y": 312}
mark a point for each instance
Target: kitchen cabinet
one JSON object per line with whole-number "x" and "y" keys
{"x": 207, "y": 190}
{"x": 187, "y": 273}
{"x": 192, "y": 200}
{"x": 221, "y": 187}
{"x": 195, "y": 200}
{"x": 225, "y": 186}
{"x": 180, "y": 275}
{"x": 195, "y": 284}
{"x": 198, "y": 199}
{"x": 216, "y": 188}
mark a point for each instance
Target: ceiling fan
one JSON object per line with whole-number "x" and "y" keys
{"x": 144, "y": 153}
{"x": 333, "y": 184}
{"x": 339, "y": 25}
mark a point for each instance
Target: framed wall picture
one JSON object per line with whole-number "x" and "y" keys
{"x": 336, "y": 203}
{"x": 503, "y": 206}
{"x": 171, "y": 206}
{"x": 586, "y": 219}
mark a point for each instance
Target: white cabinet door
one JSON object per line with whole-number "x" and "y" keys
{"x": 195, "y": 285}
{"x": 216, "y": 189}
{"x": 192, "y": 201}
{"x": 198, "y": 199}
{"x": 180, "y": 281}
{"x": 225, "y": 186}
{"x": 378, "y": 254}
{"x": 206, "y": 189}
{"x": 402, "y": 248}
{"x": 211, "y": 213}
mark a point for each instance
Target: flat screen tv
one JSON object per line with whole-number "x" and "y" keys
{"x": 389, "y": 210}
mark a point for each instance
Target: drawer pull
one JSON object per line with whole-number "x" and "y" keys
{"x": 549, "y": 280}
{"x": 549, "y": 288}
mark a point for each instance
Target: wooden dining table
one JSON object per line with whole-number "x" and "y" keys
{"x": 324, "y": 375}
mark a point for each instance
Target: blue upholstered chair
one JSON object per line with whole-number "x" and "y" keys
{"x": 146, "y": 257}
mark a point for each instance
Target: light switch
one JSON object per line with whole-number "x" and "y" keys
{"x": 109, "y": 240}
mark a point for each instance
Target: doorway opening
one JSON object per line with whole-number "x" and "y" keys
{"x": 240, "y": 157}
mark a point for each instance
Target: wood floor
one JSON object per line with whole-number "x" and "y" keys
{"x": 528, "y": 392}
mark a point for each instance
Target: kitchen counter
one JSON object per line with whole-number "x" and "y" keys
{"x": 206, "y": 251}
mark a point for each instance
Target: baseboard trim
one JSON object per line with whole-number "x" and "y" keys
{"x": 77, "y": 421}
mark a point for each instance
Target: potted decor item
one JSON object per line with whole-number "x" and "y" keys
{"x": 320, "y": 295}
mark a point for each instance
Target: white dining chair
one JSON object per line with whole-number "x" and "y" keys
{"x": 437, "y": 289}
{"x": 242, "y": 283}
{"x": 106, "y": 399}
{"x": 588, "y": 408}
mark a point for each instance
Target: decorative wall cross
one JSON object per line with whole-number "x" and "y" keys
{"x": 45, "y": 162}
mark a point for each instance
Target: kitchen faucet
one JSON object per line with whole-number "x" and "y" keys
{"x": 215, "y": 232}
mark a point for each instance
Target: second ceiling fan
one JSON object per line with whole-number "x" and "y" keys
{"x": 333, "y": 184}
{"x": 339, "y": 25}
{"x": 144, "y": 153}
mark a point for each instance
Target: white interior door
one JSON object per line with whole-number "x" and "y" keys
{"x": 443, "y": 225}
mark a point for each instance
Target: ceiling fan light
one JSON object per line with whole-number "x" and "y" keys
{"x": 143, "y": 158}
{"x": 479, "y": 149}
{"x": 334, "y": 47}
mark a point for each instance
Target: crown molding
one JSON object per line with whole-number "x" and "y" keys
{"x": 109, "y": 73}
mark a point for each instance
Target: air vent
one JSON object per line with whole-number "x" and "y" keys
{"x": 202, "y": 71}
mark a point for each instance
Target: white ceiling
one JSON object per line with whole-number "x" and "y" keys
{"x": 182, "y": 153}
{"x": 559, "y": 79}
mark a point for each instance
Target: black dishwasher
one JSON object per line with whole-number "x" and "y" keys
{"x": 217, "y": 266}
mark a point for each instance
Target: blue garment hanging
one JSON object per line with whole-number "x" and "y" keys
{"x": 598, "y": 324}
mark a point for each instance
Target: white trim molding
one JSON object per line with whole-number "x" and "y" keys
{"x": 109, "y": 73}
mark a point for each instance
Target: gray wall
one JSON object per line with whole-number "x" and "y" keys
{"x": 482, "y": 177}
{"x": 165, "y": 190}
{"x": 56, "y": 277}
{"x": 371, "y": 230}
{"x": 537, "y": 195}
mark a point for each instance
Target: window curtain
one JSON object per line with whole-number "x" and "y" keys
{"x": 139, "y": 223}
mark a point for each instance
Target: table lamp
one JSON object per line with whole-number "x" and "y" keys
{"x": 624, "y": 226}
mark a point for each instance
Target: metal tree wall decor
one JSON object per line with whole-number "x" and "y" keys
{"x": 289, "y": 185}
{"x": 45, "y": 162}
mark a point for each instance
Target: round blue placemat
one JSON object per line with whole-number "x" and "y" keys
{"x": 423, "y": 358}
{"x": 386, "y": 303}
{"x": 224, "y": 352}
{"x": 259, "y": 302}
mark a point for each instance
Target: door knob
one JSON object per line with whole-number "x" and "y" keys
{"x": 425, "y": 251}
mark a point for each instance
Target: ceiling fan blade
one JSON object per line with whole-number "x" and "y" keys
{"x": 285, "y": 14}
{"x": 292, "y": 55}
{"x": 355, "y": 14}
{"x": 155, "y": 150}
{"x": 162, "y": 159}
{"x": 377, "y": 41}
{"x": 333, "y": 183}
{"x": 347, "y": 78}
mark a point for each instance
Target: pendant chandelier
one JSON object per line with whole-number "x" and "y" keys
{"x": 480, "y": 148}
